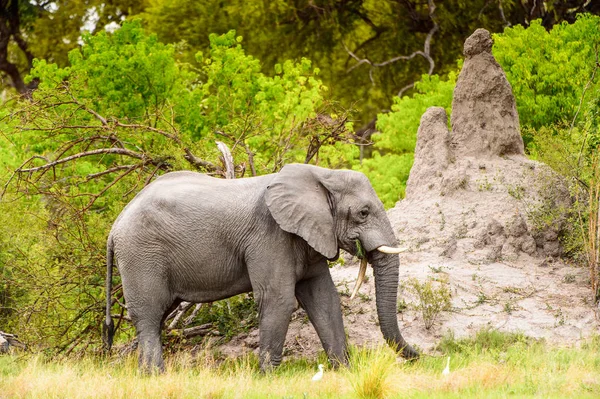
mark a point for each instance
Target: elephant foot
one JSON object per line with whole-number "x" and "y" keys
{"x": 269, "y": 362}
{"x": 409, "y": 353}
{"x": 337, "y": 362}
{"x": 151, "y": 369}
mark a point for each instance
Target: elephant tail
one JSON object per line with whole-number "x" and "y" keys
{"x": 108, "y": 329}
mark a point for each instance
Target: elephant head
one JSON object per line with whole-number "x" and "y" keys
{"x": 333, "y": 209}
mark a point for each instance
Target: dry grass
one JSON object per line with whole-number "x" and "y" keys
{"x": 507, "y": 369}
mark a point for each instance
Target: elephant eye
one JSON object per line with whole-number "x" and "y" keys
{"x": 363, "y": 213}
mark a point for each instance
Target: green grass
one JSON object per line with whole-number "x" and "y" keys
{"x": 490, "y": 365}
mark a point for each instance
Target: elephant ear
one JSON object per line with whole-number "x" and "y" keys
{"x": 301, "y": 205}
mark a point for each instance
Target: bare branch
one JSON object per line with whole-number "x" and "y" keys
{"x": 198, "y": 162}
{"x": 425, "y": 53}
{"x": 227, "y": 160}
{"x": 250, "y": 159}
{"x": 408, "y": 86}
{"x": 109, "y": 171}
{"x": 151, "y": 129}
{"x": 506, "y": 22}
{"x": 107, "y": 187}
{"x": 360, "y": 60}
{"x": 191, "y": 317}
{"x": 119, "y": 151}
{"x": 197, "y": 330}
{"x": 178, "y": 314}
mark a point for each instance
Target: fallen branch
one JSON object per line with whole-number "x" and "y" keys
{"x": 191, "y": 317}
{"x": 203, "y": 329}
{"x": 178, "y": 313}
{"x": 199, "y": 163}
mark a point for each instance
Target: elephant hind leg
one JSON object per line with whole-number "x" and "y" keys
{"x": 148, "y": 311}
{"x": 150, "y": 348}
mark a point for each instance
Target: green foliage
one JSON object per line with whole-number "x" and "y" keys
{"x": 548, "y": 70}
{"x": 232, "y": 316}
{"x": 394, "y": 146}
{"x": 433, "y": 297}
{"x": 324, "y": 31}
{"x": 388, "y": 175}
{"x": 272, "y": 118}
{"x": 54, "y": 29}
{"x": 487, "y": 340}
{"x": 398, "y": 129}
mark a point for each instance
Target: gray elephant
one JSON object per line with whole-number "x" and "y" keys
{"x": 191, "y": 237}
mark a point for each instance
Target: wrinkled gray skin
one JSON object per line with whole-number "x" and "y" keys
{"x": 191, "y": 237}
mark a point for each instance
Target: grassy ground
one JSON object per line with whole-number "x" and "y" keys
{"x": 489, "y": 366}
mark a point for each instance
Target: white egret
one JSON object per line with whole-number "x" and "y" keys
{"x": 319, "y": 375}
{"x": 447, "y": 369}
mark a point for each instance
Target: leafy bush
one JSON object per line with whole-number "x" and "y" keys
{"x": 394, "y": 146}
{"x": 548, "y": 70}
{"x": 433, "y": 297}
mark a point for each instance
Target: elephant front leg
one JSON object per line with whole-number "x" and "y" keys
{"x": 319, "y": 297}
{"x": 275, "y": 310}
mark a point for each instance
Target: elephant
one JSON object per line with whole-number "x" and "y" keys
{"x": 191, "y": 237}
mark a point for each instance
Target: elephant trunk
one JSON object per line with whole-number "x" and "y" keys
{"x": 385, "y": 270}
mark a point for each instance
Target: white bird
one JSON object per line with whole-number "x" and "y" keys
{"x": 319, "y": 375}
{"x": 447, "y": 369}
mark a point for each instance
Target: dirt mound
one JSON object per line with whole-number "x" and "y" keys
{"x": 474, "y": 184}
{"x": 485, "y": 121}
{"x": 479, "y": 218}
{"x": 483, "y": 219}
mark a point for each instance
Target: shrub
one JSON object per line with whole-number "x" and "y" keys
{"x": 433, "y": 297}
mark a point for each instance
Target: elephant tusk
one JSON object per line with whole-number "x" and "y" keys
{"x": 391, "y": 250}
{"x": 361, "y": 277}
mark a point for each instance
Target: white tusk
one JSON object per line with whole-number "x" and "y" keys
{"x": 391, "y": 250}
{"x": 361, "y": 277}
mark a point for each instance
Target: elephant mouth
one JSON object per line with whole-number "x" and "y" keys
{"x": 363, "y": 266}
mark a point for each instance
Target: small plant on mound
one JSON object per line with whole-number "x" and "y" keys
{"x": 433, "y": 298}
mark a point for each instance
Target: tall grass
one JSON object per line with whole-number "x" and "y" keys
{"x": 490, "y": 365}
{"x": 592, "y": 244}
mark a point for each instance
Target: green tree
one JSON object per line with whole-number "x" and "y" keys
{"x": 49, "y": 30}
{"x": 550, "y": 70}
{"x": 394, "y": 146}
{"x": 358, "y": 44}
